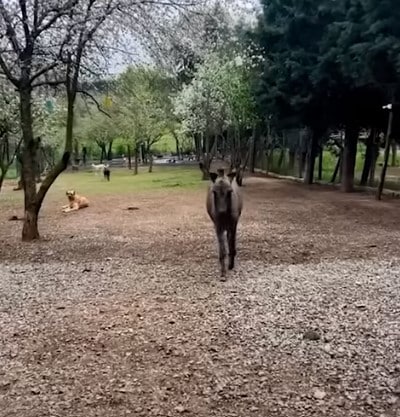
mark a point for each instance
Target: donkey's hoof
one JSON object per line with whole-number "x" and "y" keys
{"x": 223, "y": 275}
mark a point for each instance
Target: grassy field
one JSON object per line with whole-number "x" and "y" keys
{"x": 122, "y": 182}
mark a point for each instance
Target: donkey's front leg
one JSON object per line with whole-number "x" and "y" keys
{"x": 232, "y": 245}
{"x": 222, "y": 251}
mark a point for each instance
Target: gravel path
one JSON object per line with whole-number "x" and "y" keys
{"x": 307, "y": 325}
{"x": 113, "y": 341}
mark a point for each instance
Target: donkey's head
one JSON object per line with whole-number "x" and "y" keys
{"x": 222, "y": 190}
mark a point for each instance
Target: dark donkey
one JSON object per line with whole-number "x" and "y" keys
{"x": 224, "y": 206}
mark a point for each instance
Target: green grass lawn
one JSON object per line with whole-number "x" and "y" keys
{"x": 122, "y": 181}
{"x": 11, "y": 173}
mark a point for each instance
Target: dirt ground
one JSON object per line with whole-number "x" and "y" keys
{"x": 121, "y": 313}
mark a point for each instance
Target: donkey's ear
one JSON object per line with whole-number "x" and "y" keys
{"x": 213, "y": 176}
{"x": 231, "y": 176}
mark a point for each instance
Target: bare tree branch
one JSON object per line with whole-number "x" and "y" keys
{"x": 85, "y": 93}
{"x": 25, "y": 21}
{"x": 59, "y": 12}
{"x": 7, "y": 72}
{"x": 10, "y": 31}
{"x": 35, "y": 14}
{"x": 43, "y": 71}
{"x": 55, "y": 83}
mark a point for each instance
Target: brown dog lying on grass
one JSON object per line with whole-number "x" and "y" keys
{"x": 76, "y": 202}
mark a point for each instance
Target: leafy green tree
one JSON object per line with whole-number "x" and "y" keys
{"x": 10, "y": 129}
{"x": 47, "y": 43}
{"x": 368, "y": 38}
{"x": 219, "y": 104}
{"x": 290, "y": 89}
{"x": 328, "y": 64}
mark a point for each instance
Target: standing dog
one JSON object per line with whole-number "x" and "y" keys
{"x": 106, "y": 173}
{"x": 97, "y": 168}
{"x": 224, "y": 206}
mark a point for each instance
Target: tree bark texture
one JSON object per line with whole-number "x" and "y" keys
{"x": 337, "y": 168}
{"x": 136, "y": 167}
{"x": 311, "y": 157}
{"x": 349, "y": 158}
{"x": 368, "y": 158}
{"x": 30, "y": 229}
{"x": 292, "y": 158}
{"x": 386, "y": 156}
{"x": 375, "y": 155}
{"x": 320, "y": 162}
{"x": 129, "y": 157}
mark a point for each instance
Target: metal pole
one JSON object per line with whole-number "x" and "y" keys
{"x": 387, "y": 151}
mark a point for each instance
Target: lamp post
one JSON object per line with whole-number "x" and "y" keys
{"x": 387, "y": 150}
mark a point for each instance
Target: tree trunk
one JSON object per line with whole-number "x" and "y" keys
{"x": 19, "y": 171}
{"x": 223, "y": 146}
{"x": 136, "y": 169}
{"x": 302, "y": 163}
{"x": 320, "y": 162}
{"x": 18, "y": 166}
{"x": 375, "y": 155}
{"x": 198, "y": 145}
{"x": 394, "y": 153}
{"x": 5, "y": 166}
{"x": 29, "y": 160}
{"x": 270, "y": 159}
{"x": 311, "y": 156}
{"x": 150, "y": 162}
{"x": 386, "y": 156}
{"x": 76, "y": 152}
{"x": 178, "y": 150}
{"x": 253, "y": 150}
{"x": 109, "y": 152}
{"x": 337, "y": 168}
{"x": 205, "y": 169}
{"x": 341, "y": 166}
{"x": 349, "y": 158}
{"x": 281, "y": 159}
{"x": 368, "y": 158}
{"x": 208, "y": 156}
{"x": 30, "y": 229}
{"x": 103, "y": 153}
{"x": 292, "y": 158}
{"x": 2, "y": 177}
{"x": 63, "y": 163}
{"x": 129, "y": 157}
{"x": 38, "y": 162}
